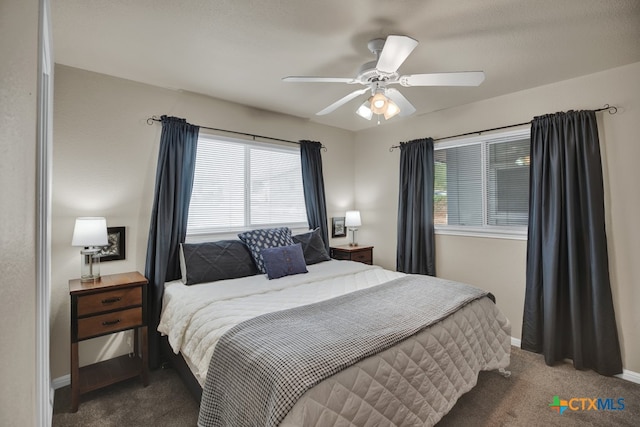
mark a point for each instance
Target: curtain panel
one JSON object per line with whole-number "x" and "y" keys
{"x": 168, "y": 226}
{"x": 568, "y": 310}
{"x": 416, "y": 241}
{"x": 313, "y": 185}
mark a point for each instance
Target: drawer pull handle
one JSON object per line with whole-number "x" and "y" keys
{"x": 110, "y": 322}
{"x": 111, "y": 300}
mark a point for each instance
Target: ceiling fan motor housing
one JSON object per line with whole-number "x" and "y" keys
{"x": 368, "y": 73}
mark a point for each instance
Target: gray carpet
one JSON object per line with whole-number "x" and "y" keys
{"x": 521, "y": 400}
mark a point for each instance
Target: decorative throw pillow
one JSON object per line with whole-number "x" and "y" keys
{"x": 313, "y": 246}
{"x": 257, "y": 240}
{"x": 213, "y": 261}
{"x": 284, "y": 261}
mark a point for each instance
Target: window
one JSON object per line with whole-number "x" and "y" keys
{"x": 482, "y": 185}
{"x": 241, "y": 185}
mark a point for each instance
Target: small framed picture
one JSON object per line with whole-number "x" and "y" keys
{"x": 337, "y": 227}
{"x": 115, "y": 250}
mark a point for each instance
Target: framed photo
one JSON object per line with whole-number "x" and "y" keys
{"x": 337, "y": 227}
{"x": 115, "y": 250}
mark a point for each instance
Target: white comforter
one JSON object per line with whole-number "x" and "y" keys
{"x": 413, "y": 383}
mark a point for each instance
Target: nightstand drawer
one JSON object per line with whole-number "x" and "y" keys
{"x": 110, "y": 322}
{"x": 340, "y": 255}
{"x": 110, "y": 300}
{"x": 364, "y": 256}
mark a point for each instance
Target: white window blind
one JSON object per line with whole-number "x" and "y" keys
{"x": 241, "y": 185}
{"x": 508, "y": 183}
{"x": 482, "y": 183}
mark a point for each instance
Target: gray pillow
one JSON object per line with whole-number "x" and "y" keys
{"x": 257, "y": 240}
{"x": 312, "y": 246}
{"x": 213, "y": 261}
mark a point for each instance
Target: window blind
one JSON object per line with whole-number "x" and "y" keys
{"x": 482, "y": 184}
{"x": 240, "y": 186}
{"x": 508, "y": 183}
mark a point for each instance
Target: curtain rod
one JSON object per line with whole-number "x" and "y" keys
{"x": 612, "y": 110}
{"x": 152, "y": 119}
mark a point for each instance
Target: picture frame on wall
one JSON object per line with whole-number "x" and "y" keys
{"x": 116, "y": 249}
{"x": 337, "y": 227}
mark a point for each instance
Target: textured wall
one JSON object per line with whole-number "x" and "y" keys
{"x": 18, "y": 113}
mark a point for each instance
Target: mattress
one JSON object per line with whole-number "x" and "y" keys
{"x": 414, "y": 382}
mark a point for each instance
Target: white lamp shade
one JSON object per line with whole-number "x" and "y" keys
{"x": 364, "y": 111}
{"x": 352, "y": 219}
{"x": 90, "y": 231}
{"x": 392, "y": 110}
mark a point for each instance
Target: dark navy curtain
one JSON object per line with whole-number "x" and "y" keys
{"x": 416, "y": 242}
{"x": 313, "y": 184}
{"x": 168, "y": 228}
{"x": 568, "y": 310}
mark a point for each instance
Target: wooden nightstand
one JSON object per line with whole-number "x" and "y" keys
{"x": 362, "y": 254}
{"x": 111, "y": 304}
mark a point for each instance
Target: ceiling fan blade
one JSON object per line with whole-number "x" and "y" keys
{"x": 395, "y": 51}
{"x": 342, "y": 101}
{"x": 312, "y": 79}
{"x": 406, "y": 108}
{"x": 462, "y": 78}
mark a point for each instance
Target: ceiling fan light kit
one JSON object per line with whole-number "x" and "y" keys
{"x": 377, "y": 75}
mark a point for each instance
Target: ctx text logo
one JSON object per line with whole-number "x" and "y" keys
{"x": 587, "y": 404}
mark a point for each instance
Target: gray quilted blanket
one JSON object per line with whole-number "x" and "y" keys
{"x": 261, "y": 367}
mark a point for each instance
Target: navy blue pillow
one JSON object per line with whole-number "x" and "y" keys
{"x": 284, "y": 261}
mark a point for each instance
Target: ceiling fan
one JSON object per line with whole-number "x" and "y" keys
{"x": 379, "y": 74}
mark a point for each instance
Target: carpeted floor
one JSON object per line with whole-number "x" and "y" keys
{"x": 521, "y": 400}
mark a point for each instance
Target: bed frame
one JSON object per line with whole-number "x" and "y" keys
{"x": 177, "y": 362}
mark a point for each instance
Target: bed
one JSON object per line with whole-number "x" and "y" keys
{"x": 245, "y": 331}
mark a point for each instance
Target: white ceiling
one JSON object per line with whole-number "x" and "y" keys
{"x": 238, "y": 50}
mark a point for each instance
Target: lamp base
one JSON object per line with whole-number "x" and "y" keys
{"x": 90, "y": 264}
{"x": 354, "y": 231}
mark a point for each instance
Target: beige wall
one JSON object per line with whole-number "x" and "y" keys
{"x": 104, "y": 163}
{"x": 499, "y": 264}
{"x": 18, "y": 114}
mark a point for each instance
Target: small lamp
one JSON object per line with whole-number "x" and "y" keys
{"x": 91, "y": 234}
{"x": 352, "y": 222}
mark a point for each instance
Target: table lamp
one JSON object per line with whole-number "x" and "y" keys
{"x": 91, "y": 234}
{"x": 352, "y": 222}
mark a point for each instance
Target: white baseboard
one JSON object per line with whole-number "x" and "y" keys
{"x": 60, "y": 382}
{"x": 626, "y": 374}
